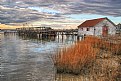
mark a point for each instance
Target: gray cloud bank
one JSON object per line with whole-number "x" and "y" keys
{"x": 14, "y": 11}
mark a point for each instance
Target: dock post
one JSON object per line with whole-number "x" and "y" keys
{"x": 78, "y": 38}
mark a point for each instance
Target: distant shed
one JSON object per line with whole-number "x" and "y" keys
{"x": 97, "y": 27}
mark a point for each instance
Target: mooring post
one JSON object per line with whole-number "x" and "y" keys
{"x": 62, "y": 35}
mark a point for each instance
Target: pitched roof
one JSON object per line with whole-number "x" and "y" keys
{"x": 91, "y": 23}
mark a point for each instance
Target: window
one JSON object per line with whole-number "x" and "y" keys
{"x": 88, "y": 29}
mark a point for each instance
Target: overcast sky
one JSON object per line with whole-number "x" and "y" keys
{"x": 58, "y": 13}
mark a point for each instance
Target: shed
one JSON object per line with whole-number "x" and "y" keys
{"x": 97, "y": 27}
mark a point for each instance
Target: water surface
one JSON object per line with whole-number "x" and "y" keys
{"x": 24, "y": 59}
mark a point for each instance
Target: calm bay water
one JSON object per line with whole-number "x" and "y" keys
{"x": 24, "y": 59}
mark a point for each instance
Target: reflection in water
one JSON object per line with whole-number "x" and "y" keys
{"x": 25, "y": 59}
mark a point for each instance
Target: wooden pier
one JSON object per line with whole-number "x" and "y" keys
{"x": 45, "y": 31}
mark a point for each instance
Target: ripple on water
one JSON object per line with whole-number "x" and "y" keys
{"x": 19, "y": 61}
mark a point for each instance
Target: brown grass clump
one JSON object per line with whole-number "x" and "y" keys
{"x": 96, "y": 42}
{"x": 82, "y": 58}
{"x": 115, "y": 48}
{"x": 72, "y": 59}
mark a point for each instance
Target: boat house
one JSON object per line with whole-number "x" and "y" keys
{"x": 97, "y": 27}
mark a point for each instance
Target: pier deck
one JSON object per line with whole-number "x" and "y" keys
{"x": 45, "y": 31}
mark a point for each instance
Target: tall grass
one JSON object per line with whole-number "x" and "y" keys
{"x": 74, "y": 58}
{"x": 99, "y": 43}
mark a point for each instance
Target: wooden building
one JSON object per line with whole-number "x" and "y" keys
{"x": 97, "y": 27}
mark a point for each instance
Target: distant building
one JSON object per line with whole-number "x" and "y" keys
{"x": 118, "y": 28}
{"x": 97, "y": 27}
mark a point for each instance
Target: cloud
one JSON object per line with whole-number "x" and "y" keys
{"x": 94, "y": 7}
{"x": 11, "y": 15}
{"x": 14, "y": 11}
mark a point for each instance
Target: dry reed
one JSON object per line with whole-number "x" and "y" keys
{"x": 99, "y": 43}
{"x": 73, "y": 59}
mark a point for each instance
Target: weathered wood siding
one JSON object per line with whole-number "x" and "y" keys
{"x": 97, "y": 30}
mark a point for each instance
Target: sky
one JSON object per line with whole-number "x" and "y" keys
{"x": 57, "y": 13}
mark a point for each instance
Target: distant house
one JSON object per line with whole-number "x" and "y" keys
{"x": 97, "y": 27}
{"x": 118, "y": 28}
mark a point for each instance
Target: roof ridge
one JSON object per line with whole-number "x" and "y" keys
{"x": 98, "y": 18}
{"x": 91, "y": 22}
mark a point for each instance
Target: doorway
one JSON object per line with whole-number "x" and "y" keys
{"x": 105, "y": 30}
